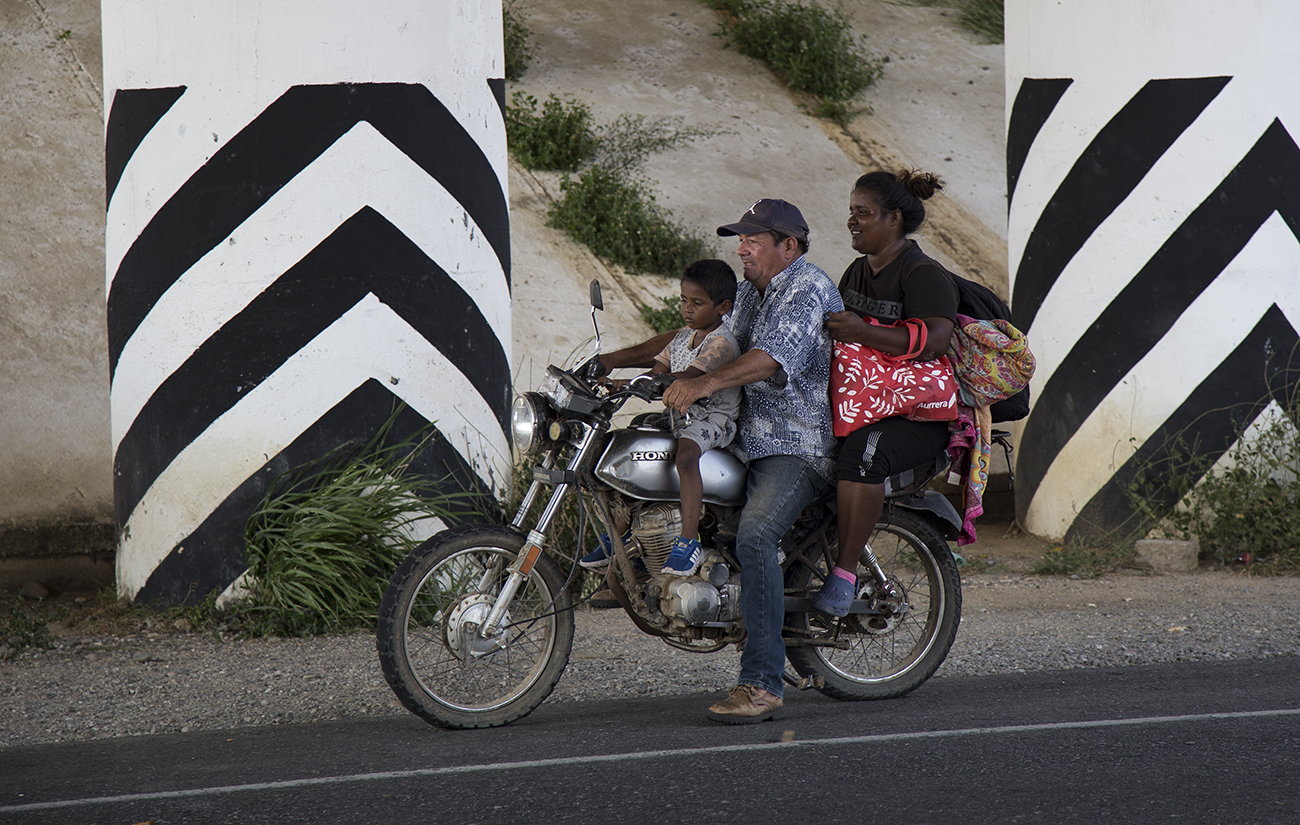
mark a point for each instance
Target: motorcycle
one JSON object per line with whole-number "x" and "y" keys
{"x": 476, "y": 625}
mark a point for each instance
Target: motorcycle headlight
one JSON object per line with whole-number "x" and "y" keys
{"x": 528, "y": 423}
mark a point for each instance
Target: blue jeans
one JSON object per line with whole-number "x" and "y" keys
{"x": 779, "y": 488}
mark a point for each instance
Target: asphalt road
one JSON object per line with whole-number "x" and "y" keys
{"x": 1195, "y": 743}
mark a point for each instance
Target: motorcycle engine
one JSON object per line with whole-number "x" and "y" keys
{"x": 654, "y": 526}
{"x": 711, "y": 595}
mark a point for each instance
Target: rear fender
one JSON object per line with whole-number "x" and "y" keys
{"x": 936, "y": 507}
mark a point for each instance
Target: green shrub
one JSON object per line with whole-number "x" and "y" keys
{"x": 609, "y": 207}
{"x": 618, "y": 218}
{"x": 21, "y": 628}
{"x": 810, "y": 48}
{"x": 518, "y": 52}
{"x": 1245, "y": 508}
{"x": 561, "y": 137}
{"x": 612, "y": 209}
{"x": 327, "y": 537}
{"x": 666, "y": 317}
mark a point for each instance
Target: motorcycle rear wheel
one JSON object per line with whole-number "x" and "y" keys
{"x": 899, "y": 655}
{"x": 441, "y": 669}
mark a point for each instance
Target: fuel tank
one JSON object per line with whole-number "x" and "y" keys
{"x": 642, "y": 464}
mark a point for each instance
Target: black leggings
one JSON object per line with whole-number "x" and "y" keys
{"x": 889, "y": 446}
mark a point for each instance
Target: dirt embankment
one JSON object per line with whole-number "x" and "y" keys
{"x": 939, "y": 106}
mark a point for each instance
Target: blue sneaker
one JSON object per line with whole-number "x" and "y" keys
{"x": 604, "y": 551}
{"x": 835, "y": 597}
{"x": 685, "y": 558}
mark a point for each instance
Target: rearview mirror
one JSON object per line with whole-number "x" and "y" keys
{"x": 596, "y": 302}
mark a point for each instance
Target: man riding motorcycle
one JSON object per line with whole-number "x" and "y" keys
{"x": 784, "y": 426}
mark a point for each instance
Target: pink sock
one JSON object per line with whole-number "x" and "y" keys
{"x": 845, "y": 574}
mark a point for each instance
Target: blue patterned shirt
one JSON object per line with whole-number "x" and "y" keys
{"x": 788, "y": 413}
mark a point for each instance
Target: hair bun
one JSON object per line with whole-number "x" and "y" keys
{"x": 921, "y": 184}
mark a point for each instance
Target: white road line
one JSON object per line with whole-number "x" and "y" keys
{"x": 420, "y": 773}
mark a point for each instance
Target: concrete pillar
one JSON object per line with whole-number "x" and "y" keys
{"x": 1155, "y": 199}
{"x": 306, "y": 223}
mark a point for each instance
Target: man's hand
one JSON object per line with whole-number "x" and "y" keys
{"x": 846, "y": 327}
{"x": 684, "y": 392}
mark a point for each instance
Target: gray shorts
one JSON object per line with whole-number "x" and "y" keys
{"x": 709, "y": 431}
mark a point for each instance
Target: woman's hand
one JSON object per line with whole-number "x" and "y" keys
{"x": 846, "y": 327}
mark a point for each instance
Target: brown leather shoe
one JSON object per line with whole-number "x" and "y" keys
{"x": 745, "y": 705}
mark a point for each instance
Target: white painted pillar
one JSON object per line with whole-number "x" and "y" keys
{"x": 306, "y": 223}
{"x": 1155, "y": 199}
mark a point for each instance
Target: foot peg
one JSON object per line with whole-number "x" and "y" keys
{"x": 806, "y": 683}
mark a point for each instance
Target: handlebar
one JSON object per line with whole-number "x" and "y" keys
{"x": 583, "y": 379}
{"x": 650, "y": 387}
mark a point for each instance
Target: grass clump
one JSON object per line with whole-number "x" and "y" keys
{"x": 518, "y": 50}
{"x": 327, "y": 537}
{"x": 982, "y": 17}
{"x": 561, "y": 137}
{"x": 809, "y": 47}
{"x": 21, "y": 627}
{"x": 1080, "y": 561}
{"x": 1244, "y": 508}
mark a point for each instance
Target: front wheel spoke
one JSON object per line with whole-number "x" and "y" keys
{"x": 442, "y": 639}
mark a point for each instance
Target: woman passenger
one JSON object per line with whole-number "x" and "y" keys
{"x": 893, "y": 280}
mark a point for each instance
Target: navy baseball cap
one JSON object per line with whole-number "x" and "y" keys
{"x": 769, "y": 214}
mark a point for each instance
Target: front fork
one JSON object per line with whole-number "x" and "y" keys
{"x": 564, "y": 480}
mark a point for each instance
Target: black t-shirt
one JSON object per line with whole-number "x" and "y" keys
{"x": 913, "y": 285}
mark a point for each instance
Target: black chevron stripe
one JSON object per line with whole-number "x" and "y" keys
{"x": 213, "y": 555}
{"x": 133, "y": 115}
{"x": 1103, "y": 176}
{"x": 366, "y": 254}
{"x": 285, "y": 139}
{"x": 498, "y": 87}
{"x": 1207, "y": 422}
{"x": 1266, "y": 180}
{"x": 1034, "y": 103}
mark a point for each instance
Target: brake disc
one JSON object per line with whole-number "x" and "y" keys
{"x": 892, "y": 610}
{"x": 460, "y": 628}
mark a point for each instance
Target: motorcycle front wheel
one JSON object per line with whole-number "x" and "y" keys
{"x": 865, "y": 656}
{"x": 432, "y": 654}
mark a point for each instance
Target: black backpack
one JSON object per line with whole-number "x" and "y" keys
{"x": 983, "y": 304}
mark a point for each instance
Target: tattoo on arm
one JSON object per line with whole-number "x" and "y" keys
{"x": 717, "y": 354}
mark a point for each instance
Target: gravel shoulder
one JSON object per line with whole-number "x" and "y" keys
{"x": 161, "y": 680}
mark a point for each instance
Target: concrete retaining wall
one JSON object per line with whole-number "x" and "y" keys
{"x": 55, "y": 484}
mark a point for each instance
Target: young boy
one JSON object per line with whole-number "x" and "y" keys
{"x": 708, "y": 289}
